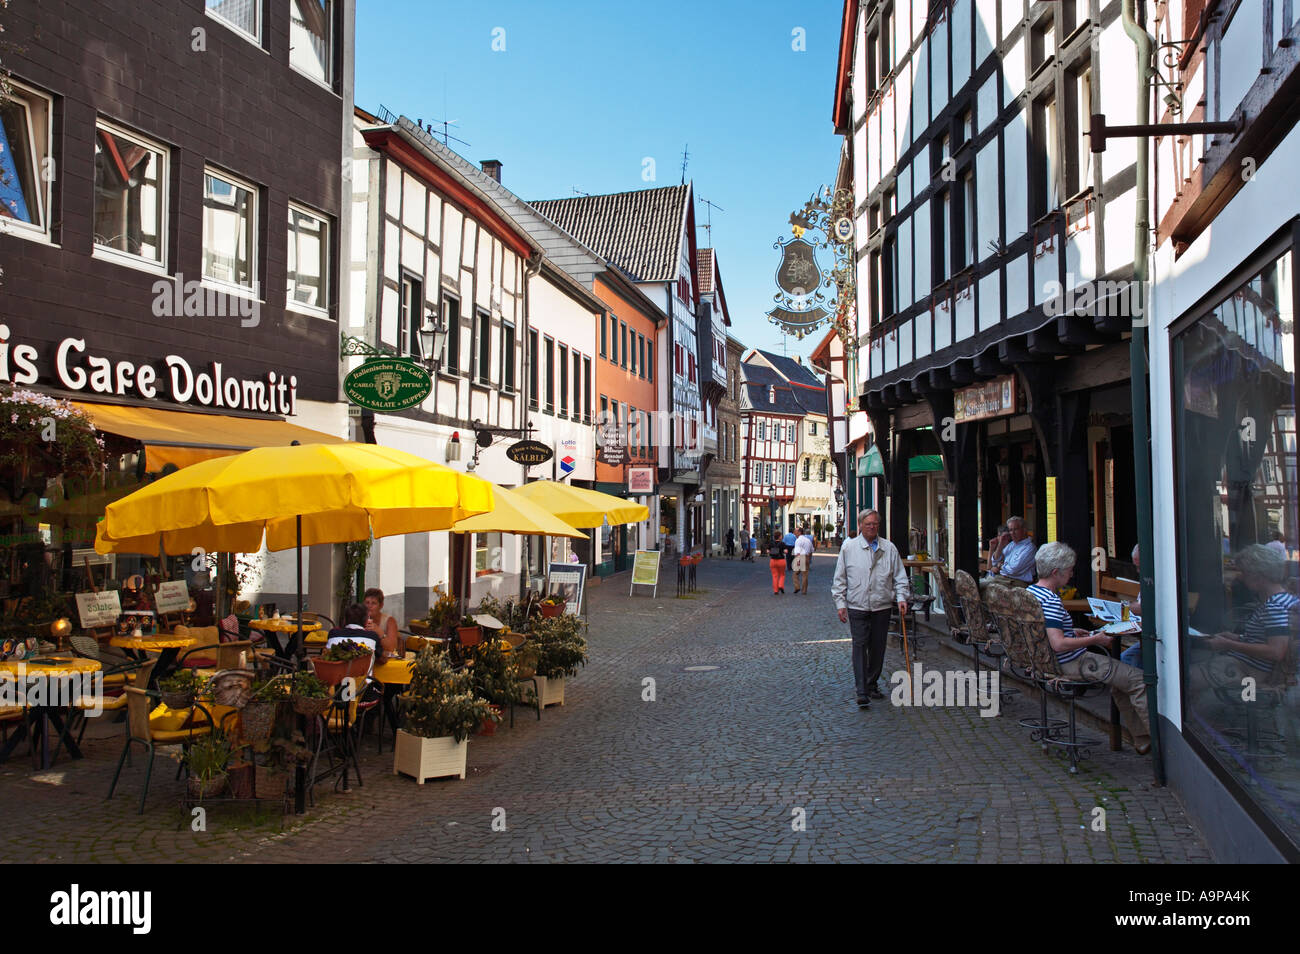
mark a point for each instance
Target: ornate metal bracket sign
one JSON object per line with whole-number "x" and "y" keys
{"x": 809, "y": 296}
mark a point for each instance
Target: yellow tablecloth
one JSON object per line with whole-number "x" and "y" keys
{"x": 394, "y": 672}
{"x": 74, "y": 666}
{"x": 282, "y": 626}
{"x": 152, "y": 644}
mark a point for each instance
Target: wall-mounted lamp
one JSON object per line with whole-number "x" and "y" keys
{"x": 433, "y": 338}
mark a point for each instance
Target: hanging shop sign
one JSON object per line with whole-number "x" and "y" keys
{"x": 995, "y": 398}
{"x": 641, "y": 480}
{"x": 76, "y": 367}
{"x": 529, "y": 453}
{"x": 387, "y": 384}
{"x": 611, "y": 444}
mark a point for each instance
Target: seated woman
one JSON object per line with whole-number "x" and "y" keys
{"x": 354, "y": 629}
{"x": 1268, "y": 636}
{"x": 1055, "y": 565}
{"x": 380, "y": 624}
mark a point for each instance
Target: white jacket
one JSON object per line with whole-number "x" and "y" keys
{"x": 869, "y": 581}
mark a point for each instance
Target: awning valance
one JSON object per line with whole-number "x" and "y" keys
{"x": 183, "y": 438}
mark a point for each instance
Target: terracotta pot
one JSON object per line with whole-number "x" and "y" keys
{"x": 469, "y": 635}
{"x": 489, "y": 727}
{"x": 551, "y": 611}
{"x": 332, "y": 673}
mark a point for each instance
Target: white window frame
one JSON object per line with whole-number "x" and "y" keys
{"x": 45, "y": 193}
{"x": 253, "y": 38}
{"x": 233, "y": 287}
{"x": 328, "y": 82}
{"x": 292, "y": 303}
{"x": 110, "y": 254}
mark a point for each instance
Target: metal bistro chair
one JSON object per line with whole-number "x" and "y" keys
{"x": 140, "y": 730}
{"x": 986, "y": 636}
{"x": 1048, "y": 677}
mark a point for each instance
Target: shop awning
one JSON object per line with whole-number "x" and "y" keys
{"x": 183, "y": 438}
{"x": 924, "y": 464}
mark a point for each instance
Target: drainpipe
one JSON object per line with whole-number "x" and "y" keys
{"x": 532, "y": 265}
{"x": 1138, "y": 359}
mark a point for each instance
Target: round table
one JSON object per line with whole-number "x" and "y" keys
{"x": 166, "y": 645}
{"x": 279, "y": 627}
{"x": 49, "y": 710}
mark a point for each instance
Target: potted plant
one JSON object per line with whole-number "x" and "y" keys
{"x": 207, "y": 760}
{"x": 179, "y": 688}
{"x": 561, "y": 649}
{"x": 552, "y": 606}
{"x": 310, "y": 696}
{"x": 439, "y": 713}
{"x": 257, "y": 716}
{"x": 345, "y": 658}
{"x": 469, "y": 632}
{"x": 495, "y": 679}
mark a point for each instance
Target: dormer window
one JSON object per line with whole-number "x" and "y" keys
{"x": 771, "y": 394}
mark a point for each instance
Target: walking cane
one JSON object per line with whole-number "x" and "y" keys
{"x": 907, "y": 656}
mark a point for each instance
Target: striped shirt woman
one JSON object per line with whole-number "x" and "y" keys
{"x": 1055, "y": 617}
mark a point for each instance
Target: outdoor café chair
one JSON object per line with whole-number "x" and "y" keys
{"x": 141, "y": 730}
{"x": 117, "y": 701}
{"x": 116, "y": 669}
{"x": 986, "y": 637}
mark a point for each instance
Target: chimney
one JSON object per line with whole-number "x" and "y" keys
{"x": 492, "y": 167}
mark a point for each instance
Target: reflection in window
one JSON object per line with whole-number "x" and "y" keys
{"x": 229, "y": 212}
{"x": 309, "y": 38}
{"x": 487, "y": 553}
{"x": 309, "y": 264}
{"x": 24, "y": 153}
{"x": 128, "y": 195}
{"x": 1234, "y": 406}
{"x": 240, "y": 14}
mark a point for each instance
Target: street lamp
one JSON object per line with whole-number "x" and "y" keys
{"x": 433, "y": 338}
{"x": 840, "y": 516}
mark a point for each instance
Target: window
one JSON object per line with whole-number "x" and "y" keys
{"x": 650, "y": 348}
{"x": 311, "y": 25}
{"x": 451, "y": 318}
{"x": 943, "y": 236}
{"x": 577, "y": 386}
{"x": 534, "y": 356}
{"x": 586, "y": 390}
{"x": 613, "y": 339}
{"x": 969, "y": 256}
{"x": 487, "y": 553}
{"x": 564, "y": 380}
{"x": 408, "y": 316}
{"x": 229, "y": 230}
{"x": 604, "y": 409}
{"x": 242, "y": 15}
{"x": 130, "y": 195}
{"x": 822, "y": 472}
{"x": 309, "y": 264}
{"x": 634, "y": 337}
{"x": 507, "y": 356}
{"x": 1042, "y": 43}
{"x": 641, "y": 345}
{"x": 790, "y": 433}
{"x": 1234, "y": 412}
{"x": 889, "y": 278}
{"x": 25, "y": 160}
{"x": 1079, "y": 171}
{"x": 886, "y": 41}
{"x": 762, "y": 430}
{"x": 807, "y": 469}
{"x": 483, "y": 349}
{"x": 633, "y": 430}
{"x": 623, "y": 335}
{"x": 604, "y": 338}
{"x": 550, "y": 376}
{"x": 1044, "y": 159}
{"x": 768, "y": 481}
{"x": 690, "y": 362}
{"x": 812, "y": 428}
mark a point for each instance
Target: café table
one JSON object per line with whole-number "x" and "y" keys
{"x": 48, "y": 711}
{"x": 166, "y": 645}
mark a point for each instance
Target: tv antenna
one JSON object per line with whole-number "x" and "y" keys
{"x": 577, "y": 191}
{"x": 686, "y": 157}
{"x": 447, "y": 138}
{"x": 708, "y": 224}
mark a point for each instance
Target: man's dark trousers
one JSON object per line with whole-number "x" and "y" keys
{"x": 870, "y": 632}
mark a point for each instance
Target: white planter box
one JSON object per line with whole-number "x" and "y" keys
{"x": 429, "y": 758}
{"x": 551, "y": 691}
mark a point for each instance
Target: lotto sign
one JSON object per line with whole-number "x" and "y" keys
{"x": 567, "y": 464}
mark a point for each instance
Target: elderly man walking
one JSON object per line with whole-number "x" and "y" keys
{"x": 803, "y": 551}
{"x": 869, "y": 581}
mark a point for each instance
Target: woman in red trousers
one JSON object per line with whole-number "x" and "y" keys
{"x": 776, "y": 550}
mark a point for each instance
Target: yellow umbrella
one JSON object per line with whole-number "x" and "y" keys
{"x": 300, "y": 494}
{"x": 581, "y": 507}
{"x": 514, "y": 513}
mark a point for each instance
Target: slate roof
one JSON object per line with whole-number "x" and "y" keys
{"x": 783, "y": 400}
{"x": 641, "y": 231}
{"x": 793, "y": 371}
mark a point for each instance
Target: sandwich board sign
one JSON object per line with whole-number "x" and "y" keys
{"x": 645, "y": 570}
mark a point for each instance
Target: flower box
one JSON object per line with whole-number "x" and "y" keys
{"x": 551, "y": 691}
{"x": 423, "y": 758}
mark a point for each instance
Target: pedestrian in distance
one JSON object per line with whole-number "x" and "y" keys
{"x": 777, "y": 564}
{"x": 869, "y": 582}
{"x": 731, "y": 542}
{"x": 802, "y": 565}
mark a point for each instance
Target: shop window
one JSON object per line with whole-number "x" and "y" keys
{"x": 130, "y": 196}
{"x": 1234, "y": 405}
{"x": 244, "y": 16}
{"x": 309, "y": 265}
{"x": 487, "y": 554}
{"x": 311, "y": 50}
{"x": 26, "y": 167}
{"x": 229, "y": 230}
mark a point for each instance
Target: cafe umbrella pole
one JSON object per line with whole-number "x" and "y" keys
{"x": 300, "y": 770}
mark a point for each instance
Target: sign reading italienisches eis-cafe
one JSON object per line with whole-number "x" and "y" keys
{"x": 72, "y": 364}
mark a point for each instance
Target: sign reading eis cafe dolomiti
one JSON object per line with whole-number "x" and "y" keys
{"x": 529, "y": 453}
{"x": 387, "y": 384}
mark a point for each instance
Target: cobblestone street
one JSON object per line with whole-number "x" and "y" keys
{"x": 715, "y": 769}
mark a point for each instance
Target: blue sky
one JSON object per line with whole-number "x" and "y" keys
{"x": 585, "y": 90}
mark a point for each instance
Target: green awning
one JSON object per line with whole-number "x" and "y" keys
{"x": 924, "y": 464}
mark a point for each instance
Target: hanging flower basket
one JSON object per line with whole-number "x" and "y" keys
{"x": 43, "y": 436}
{"x": 256, "y": 720}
